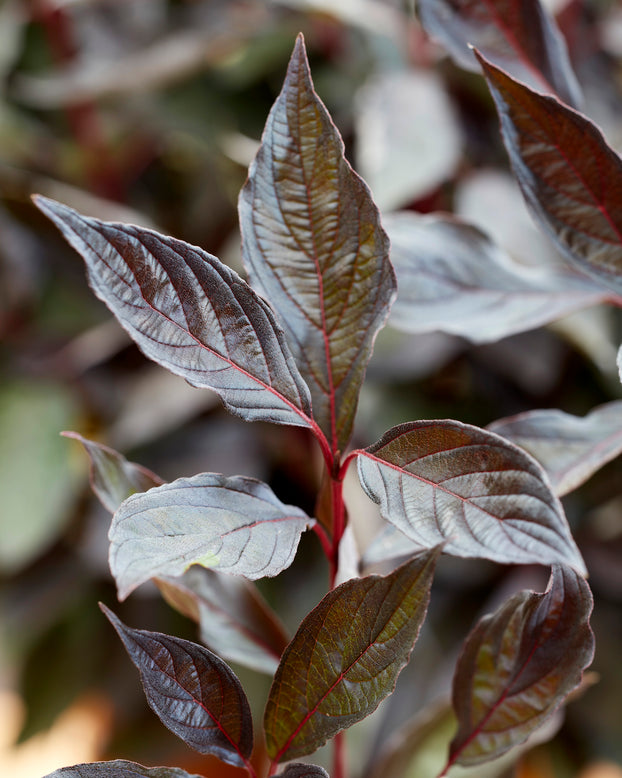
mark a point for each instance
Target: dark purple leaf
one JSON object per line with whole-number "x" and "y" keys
{"x": 298, "y": 770}
{"x": 518, "y": 665}
{"x": 192, "y": 314}
{"x": 113, "y": 478}
{"x": 346, "y": 656}
{"x": 193, "y": 692}
{"x": 518, "y": 35}
{"x": 453, "y": 278}
{"x": 119, "y": 768}
{"x": 570, "y": 448}
{"x": 314, "y": 246}
{"x": 444, "y": 481}
{"x": 235, "y": 524}
{"x": 235, "y": 621}
{"x": 570, "y": 178}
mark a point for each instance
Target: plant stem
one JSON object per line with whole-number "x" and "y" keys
{"x": 339, "y": 756}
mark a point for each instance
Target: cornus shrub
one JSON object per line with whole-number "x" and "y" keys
{"x": 291, "y": 346}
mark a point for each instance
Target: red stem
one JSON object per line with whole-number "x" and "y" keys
{"x": 339, "y": 756}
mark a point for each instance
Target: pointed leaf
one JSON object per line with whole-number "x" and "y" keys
{"x": 193, "y": 692}
{"x": 518, "y": 665}
{"x": 234, "y": 524}
{"x": 118, "y": 768}
{"x": 190, "y": 313}
{"x": 346, "y": 656}
{"x": 299, "y": 770}
{"x": 570, "y": 178}
{"x": 453, "y": 278}
{"x": 570, "y": 448}
{"x": 518, "y": 35}
{"x": 447, "y": 481}
{"x": 313, "y": 245}
{"x": 113, "y": 478}
{"x": 235, "y": 620}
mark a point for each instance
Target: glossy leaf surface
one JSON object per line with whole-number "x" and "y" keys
{"x": 444, "y": 481}
{"x": 235, "y": 621}
{"x": 519, "y": 664}
{"x": 313, "y": 245}
{"x": 119, "y": 768}
{"x": 570, "y": 448}
{"x": 453, "y": 278}
{"x": 235, "y": 524}
{"x": 299, "y": 770}
{"x": 346, "y": 656}
{"x": 113, "y": 478}
{"x": 193, "y": 692}
{"x": 569, "y": 176}
{"x": 190, "y": 313}
{"x": 518, "y": 35}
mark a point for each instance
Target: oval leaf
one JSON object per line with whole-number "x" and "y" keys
{"x": 234, "y": 524}
{"x": 569, "y": 448}
{"x": 313, "y": 245}
{"x": 346, "y": 656}
{"x": 570, "y": 178}
{"x": 193, "y": 692}
{"x": 119, "y": 768}
{"x": 190, "y": 313}
{"x": 299, "y": 770}
{"x": 518, "y": 665}
{"x": 453, "y": 278}
{"x": 444, "y": 481}
{"x": 235, "y": 621}
{"x": 518, "y": 35}
{"x": 113, "y": 478}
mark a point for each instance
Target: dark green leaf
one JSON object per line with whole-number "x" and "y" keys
{"x": 518, "y": 665}
{"x": 235, "y": 524}
{"x": 569, "y": 176}
{"x": 235, "y": 620}
{"x": 113, "y": 478}
{"x": 193, "y": 692}
{"x": 190, "y": 313}
{"x": 346, "y": 656}
{"x": 444, "y": 481}
{"x": 313, "y": 245}
{"x": 119, "y": 768}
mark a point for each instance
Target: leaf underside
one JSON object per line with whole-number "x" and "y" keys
{"x": 193, "y": 692}
{"x": 446, "y": 482}
{"x": 190, "y": 313}
{"x": 119, "y": 768}
{"x": 313, "y": 245}
{"x": 234, "y": 524}
{"x": 570, "y": 178}
{"x": 518, "y": 665}
{"x": 346, "y": 656}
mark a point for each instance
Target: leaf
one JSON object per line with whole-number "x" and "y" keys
{"x": 570, "y": 448}
{"x": 235, "y": 621}
{"x": 346, "y": 656}
{"x": 313, "y": 244}
{"x": 113, "y": 478}
{"x": 299, "y": 770}
{"x": 444, "y": 481}
{"x": 193, "y": 692}
{"x": 118, "y": 768}
{"x": 408, "y": 139}
{"x": 453, "y": 278}
{"x": 518, "y": 35}
{"x": 235, "y": 524}
{"x": 518, "y": 665}
{"x": 190, "y": 313}
{"x": 570, "y": 178}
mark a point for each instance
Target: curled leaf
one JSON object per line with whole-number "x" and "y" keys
{"x": 193, "y": 692}
{"x": 346, "y": 656}
{"x": 119, "y": 768}
{"x": 444, "y": 481}
{"x": 518, "y": 665}
{"x": 235, "y": 524}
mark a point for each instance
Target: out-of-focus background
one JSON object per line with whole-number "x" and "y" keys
{"x": 150, "y": 111}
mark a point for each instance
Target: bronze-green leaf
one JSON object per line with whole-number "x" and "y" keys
{"x": 346, "y": 656}
{"x": 313, "y": 245}
{"x": 119, "y": 768}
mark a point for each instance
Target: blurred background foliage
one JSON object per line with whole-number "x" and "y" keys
{"x": 150, "y": 111}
